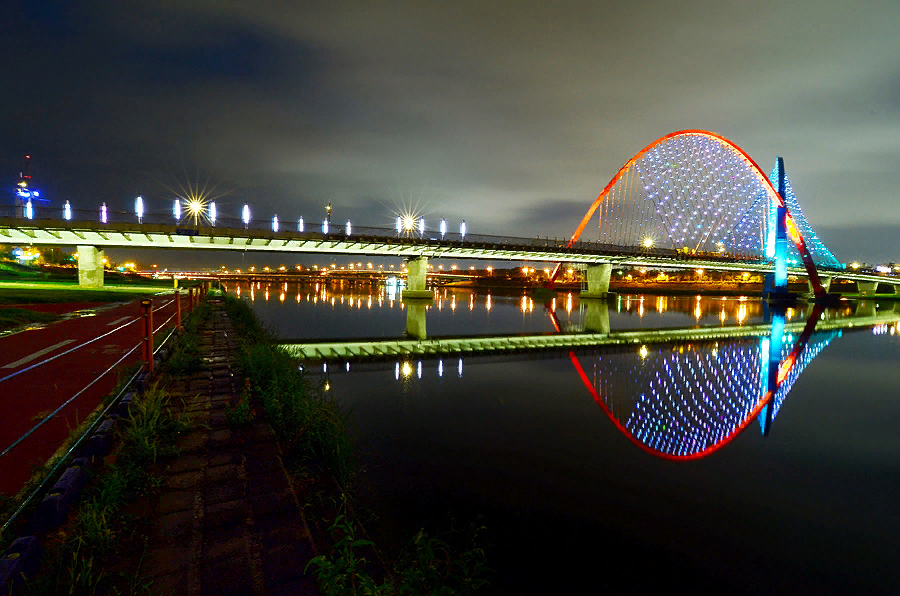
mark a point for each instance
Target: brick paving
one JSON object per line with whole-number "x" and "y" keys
{"x": 227, "y": 520}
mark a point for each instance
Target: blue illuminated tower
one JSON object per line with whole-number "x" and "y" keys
{"x": 25, "y": 191}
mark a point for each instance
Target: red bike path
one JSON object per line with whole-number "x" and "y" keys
{"x": 37, "y": 376}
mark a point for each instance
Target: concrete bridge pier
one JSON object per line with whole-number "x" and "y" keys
{"x": 596, "y": 319}
{"x": 867, "y": 288}
{"x": 90, "y": 267}
{"x": 826, "y": 285}
{"x": 416, "y": 279}
{"x": 415, "y": 318}
{"x": 597, "y": 281}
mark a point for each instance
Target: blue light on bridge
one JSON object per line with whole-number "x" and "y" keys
{"x": 245, "y": 215}
{"x": 443, "y": 228}
{"x": 29, "y": 210}
{"x": 139, "y": 208}
{"x": 104, "y": 214}
{"x": 67, "y": 211}
{"x": 300, "y": 224}
{"x": 275, "y": 223}
{"x": 325, "y": 227}
{"x": 462, "y": 235}
{"x": 212, "y": 213}
{"x": 176, "y": 210}
{"x": 421, "y": 226}
{"x": 399, "y": 225}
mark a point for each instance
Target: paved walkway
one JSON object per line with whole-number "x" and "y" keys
{"x": 227, "y": 521}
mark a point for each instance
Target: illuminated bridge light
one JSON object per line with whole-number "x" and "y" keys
{"x": 212, "y": 213}
{"x": 176, "y": 210}
{"x": 139, "y": 208}
{"x": 274, "y": 223}
{"x": 103, "y": 213}
{"x": 67, "y": 211}
{"x": 300, "y": 224}
{"x": 29, "y": 210}
{"x": 462, "y": 230}
{"x": 245, "y": 215}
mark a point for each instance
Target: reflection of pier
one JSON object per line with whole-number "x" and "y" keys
{"x": 391, "y": 349}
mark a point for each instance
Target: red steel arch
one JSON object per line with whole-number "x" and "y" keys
{"x": 793, "y": 231}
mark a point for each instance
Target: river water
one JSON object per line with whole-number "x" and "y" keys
{"x": 628, "y": 470}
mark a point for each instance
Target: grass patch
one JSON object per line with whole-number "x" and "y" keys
{"x": 15, "y": 317}
{"x": 79, "y": 555}
{"x": 40, "y": 292}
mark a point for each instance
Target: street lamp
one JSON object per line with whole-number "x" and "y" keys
{"x": 300, "y": 224}
{"x": 176, "y": 210}
{"x": 103, "y": 212}
{"x": 399, "y": 225}
{"x": 443, "y": 228}
{"x": 275, "y": 223}
{"x": 139, "y": 208}
{"x": 67, "y": 211}
{"x": 245, "y": 215}
{"x": 462, "y": 230}
{"x": 349, "y": 228}
{"x": 421, "y": 226}
{"x": 325, "y": 226}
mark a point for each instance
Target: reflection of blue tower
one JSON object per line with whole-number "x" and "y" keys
{"x": 814, "y": 347}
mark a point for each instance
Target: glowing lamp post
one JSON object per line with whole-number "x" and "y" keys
{"x": 176, "y": 210}
{"x": 443, "y": 228}
{"x": 212, "y": 213}
{"x": 462, "y": 230}
{"x": 67, "y": 211}
{"x": 104, "y": 214}
{"x": 325, "y": 227}
{"x": 274, "y": 223}
{"x": 399, "y": 225}
{"x": 349, "y": 228}
{"x": 421, "y": 226}
{"x": 29, "y": 210}
{"x": 300, "y": 224}
{"x": 245, "y": 216}
{"x": 139, "y": 208}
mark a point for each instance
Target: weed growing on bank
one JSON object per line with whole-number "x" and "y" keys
{"x": 311, "y": 427}
{"x": 79, "y": 552}
{"x": 428, "y": 565}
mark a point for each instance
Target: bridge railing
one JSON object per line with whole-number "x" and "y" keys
{"x": 292, "y": 228}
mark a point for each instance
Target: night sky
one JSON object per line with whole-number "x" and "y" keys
{"x": 511, "y": 115}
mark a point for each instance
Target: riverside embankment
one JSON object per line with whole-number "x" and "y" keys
{"x": 230, "y": 473}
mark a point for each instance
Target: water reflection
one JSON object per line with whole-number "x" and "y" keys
{"x": 648, "y": 310}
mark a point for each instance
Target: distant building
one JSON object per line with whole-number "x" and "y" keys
{"x": 26, "y": 192}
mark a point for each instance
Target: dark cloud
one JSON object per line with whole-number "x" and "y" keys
{"x": 490, "y": 107}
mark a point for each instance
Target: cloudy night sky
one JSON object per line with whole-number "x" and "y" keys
{"x": 511, "y": 115}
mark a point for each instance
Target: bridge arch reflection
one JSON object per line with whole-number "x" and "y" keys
{"x": 686, "y": 401}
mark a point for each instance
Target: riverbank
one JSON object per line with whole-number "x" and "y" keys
{"x": 255, "y": 486}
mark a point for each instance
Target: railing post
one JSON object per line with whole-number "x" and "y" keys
{"x": 178, "y": 310}
{"x": 147, "y": 349}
